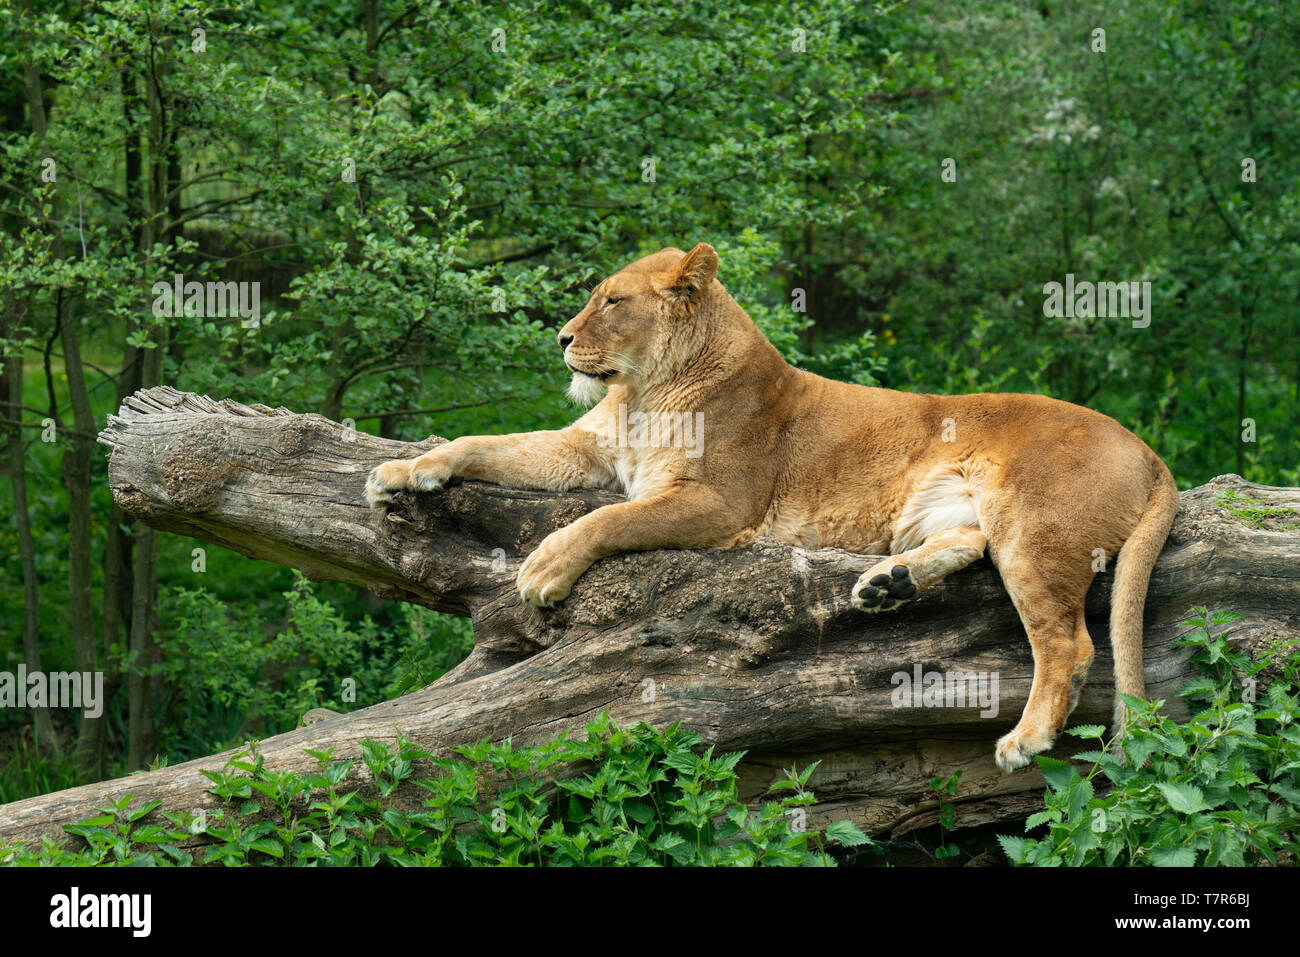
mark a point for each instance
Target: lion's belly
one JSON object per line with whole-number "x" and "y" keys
{"x": 872, "y": 521}
{"x": 843, "y": 526}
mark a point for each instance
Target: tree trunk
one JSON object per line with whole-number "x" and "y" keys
{"x": 11, "y": 400}
{"x": 78, "y": 453}
{"x": 88, "y": 755}
{"x": 756, "y": 648}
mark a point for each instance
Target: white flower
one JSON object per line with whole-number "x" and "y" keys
{"x": 1109, "y": 187}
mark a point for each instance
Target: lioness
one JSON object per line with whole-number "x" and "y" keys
{"x": 931, "y": 481}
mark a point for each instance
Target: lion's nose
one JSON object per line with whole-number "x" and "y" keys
{"x": 564, "y": 341}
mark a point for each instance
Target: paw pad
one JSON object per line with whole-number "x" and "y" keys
{"x": 885, "y": 592}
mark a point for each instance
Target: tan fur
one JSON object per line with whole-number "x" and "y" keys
{"x": 932, "y": 481}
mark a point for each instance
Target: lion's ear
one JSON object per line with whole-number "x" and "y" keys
{"x": 693, "y": 273}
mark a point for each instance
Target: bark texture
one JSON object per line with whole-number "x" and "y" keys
{"x": 755, "y": 648}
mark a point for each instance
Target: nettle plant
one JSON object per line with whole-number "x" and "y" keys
{"x": 1222, "y": 789}
{"x": 649, "y": 799}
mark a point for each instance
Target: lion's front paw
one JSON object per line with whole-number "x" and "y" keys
{"x": 883, "y": 589}
{"x": 548, "y": 574}
{"x": 1017, "y": 748}
{"x": 386, "y": 479}
{"x": 427, "y": 473}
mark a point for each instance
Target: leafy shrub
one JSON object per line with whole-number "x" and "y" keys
{"x": 649, "y": 799}
{"x": 228, "y": 672}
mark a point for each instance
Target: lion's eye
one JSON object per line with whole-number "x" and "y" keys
{"x": 613, "y": 300}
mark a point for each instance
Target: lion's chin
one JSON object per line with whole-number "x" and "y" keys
{"x": 586, "y": 391}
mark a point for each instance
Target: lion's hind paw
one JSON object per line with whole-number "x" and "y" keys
{"x": 883, "y": 591}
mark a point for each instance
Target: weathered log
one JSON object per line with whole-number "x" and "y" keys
{"x": 756, "y": 648}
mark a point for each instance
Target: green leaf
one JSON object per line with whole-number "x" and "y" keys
{"x": 1087, "y": 731}
{"x": 1058, "y": 773}
{"x": 1079, "y": 794}
{"x": 1042, "y": 817}
{"x": 846, "y": 833}
{"x": 268, "y": 845}
{"x": 1136, "y": 705}
{"x": 1199, "y": 685}
{"x": 1138, "y": 746}
{"x": 101, "y": 820}
{"x": 639, "y": 811}
{"x": 1174, "y": 857}
{"x": 143, "y": 810}
{"x": 1015, "y": 847}
{"x": 667, "y": 841}
{"x": 1183, "y": 798}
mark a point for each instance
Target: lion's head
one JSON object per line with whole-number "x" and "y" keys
{"x": 637, "y": 328}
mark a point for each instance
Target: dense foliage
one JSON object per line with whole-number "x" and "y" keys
{"x": 648, "y": 799}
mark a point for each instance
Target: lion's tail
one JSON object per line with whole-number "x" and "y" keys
{"x": 1128, "y": 597}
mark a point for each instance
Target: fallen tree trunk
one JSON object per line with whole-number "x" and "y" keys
{"x": 755, "y": 648}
